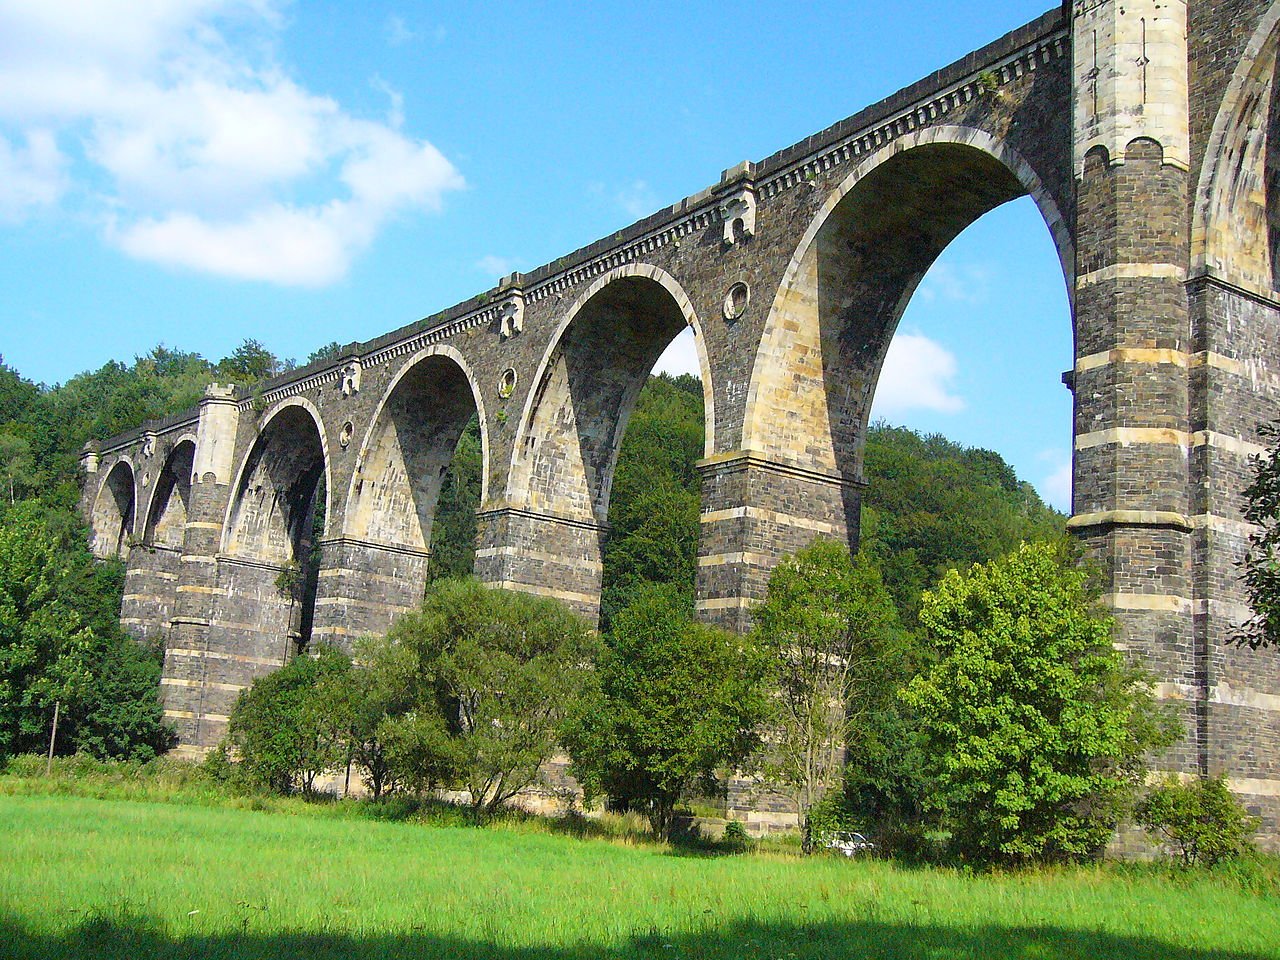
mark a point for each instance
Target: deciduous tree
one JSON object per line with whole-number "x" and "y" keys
{"x": 837, "y": 654}
{"x": 1036, "y": 728}
{"x": 677, "y": 702}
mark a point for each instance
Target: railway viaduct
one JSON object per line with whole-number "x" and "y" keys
{"x": 1147, "y": 133}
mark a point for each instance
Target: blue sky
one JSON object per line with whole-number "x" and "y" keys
{"x": 195, "y": 172}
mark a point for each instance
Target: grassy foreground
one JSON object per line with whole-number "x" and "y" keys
{"x": 89, "y": 878}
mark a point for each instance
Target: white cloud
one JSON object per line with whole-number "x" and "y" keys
{"x": 636, "y": 199}
{"x": 967, "y": 283}
{"x": 30, "y": 176}
{"x": 495, "y": 266}
{"x": 189, "y": 131}
{"x": 681, "y": 356}
{"x": 917, "y": 375}
{"x": 398, "y": 33}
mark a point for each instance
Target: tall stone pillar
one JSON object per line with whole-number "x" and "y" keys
{"x": 756, "y": 510}
{"x": 363, "y": 586}
{"x": 191, "y": 669}
{"x": 1132, "y": 501}
{"x": 542, "y": 553}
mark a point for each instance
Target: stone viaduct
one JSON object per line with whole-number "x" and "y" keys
{"x": 1147, "y": 133}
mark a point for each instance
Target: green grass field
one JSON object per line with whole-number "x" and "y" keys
{"x": 86, "y": 878}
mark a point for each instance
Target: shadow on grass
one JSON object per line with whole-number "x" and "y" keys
{"x": 120, "y": 938}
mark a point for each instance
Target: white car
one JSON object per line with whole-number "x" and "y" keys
{"x": 849, "y": 843}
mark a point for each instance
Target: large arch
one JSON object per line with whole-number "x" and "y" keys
{"x": 408, "y": 447}
{"x": 268, "y": 518}
{"x": 1235, "y": 232}
{"x": 851, "y": 278}
{"x": 546, "y": 535}
{"x": 171, "y": 499}
{"x": 586, "y": 387}
{"x": 114, "y": 507}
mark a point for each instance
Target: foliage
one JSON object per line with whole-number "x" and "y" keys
{"x": 1200, "y": 820}
{"x": 1036, "y": 729}
{"x": 677, "y": 701}
{"x": 483, "y": 680}
{"x": 453, "y": 531}
{"x": 1262, "y": 560}
{"x": 278, "y": 728}
{"x": 60, "y": 642}
{"x": 932, "y": 505}
{"x": 654, "y": 502}
{"x": 836, "y": 656}
{"x": 251, "y": 363}
{"x": 330, "y": 351}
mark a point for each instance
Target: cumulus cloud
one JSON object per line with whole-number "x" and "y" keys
{"x": 194, "y": 144}
{"x": 917, "y": 375}
{"x": 31, "y": 175}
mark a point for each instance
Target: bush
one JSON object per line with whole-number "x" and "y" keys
{"x": 1036, "y": 730}
{"x": 735, "y": 836}
{"x": 1200, "y": 821}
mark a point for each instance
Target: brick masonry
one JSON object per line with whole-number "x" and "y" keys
{"x": 1134, "y": 126}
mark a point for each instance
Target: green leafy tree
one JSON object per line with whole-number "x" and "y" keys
{"x": 654, "y": 502}
{"x": 17, "y": 469}
{"x": 453, "y": 531}
{"x": 250, "y": 363}
{"x": 837, "y": 655}
{"x": 279, "y": 728}
{"x": 497, "y": 671}
{"x": 1036, "y": 729}
{"x": 60, "y": 642}
{"x": 677, "y": 701}
{"x": 1262, "y": 561}
{"x": 330, "y": 351}
{"x": 1200, "y": 820}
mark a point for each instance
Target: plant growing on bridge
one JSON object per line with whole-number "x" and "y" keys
{"x": 483, "y": 680}
{"x": 1261, "y": 564}
{"x": 1035, "y": 726}
{"x": 837, "y": 654}
{"x": 677, "y": 701}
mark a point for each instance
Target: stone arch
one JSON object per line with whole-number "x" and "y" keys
{"x": 587, "y": 384}
{"x": 268, "y": 518}
{"x": 171, "y": 497}
{"x": 113, "y": 511}
{"x": 851, "y": 278}
{"x": 1235, "y": 230}
{"x": 408, "y": 447}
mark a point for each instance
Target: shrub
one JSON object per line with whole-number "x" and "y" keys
{"x": 1200, "y": 821}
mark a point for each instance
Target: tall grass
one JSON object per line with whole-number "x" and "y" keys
{"x": 86, "y": 878}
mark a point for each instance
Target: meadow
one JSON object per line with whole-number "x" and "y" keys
{"x": 125, "y": 875}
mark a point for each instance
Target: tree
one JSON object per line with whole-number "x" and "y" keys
{"x": 250, "y": 363}
{"x": 1036, "y": 729}
{"x": 677, "y": 701}
{"x": 1201, "y": 820}
{"x": 60, "y": 643}
{"x": 485, "y": 679}
{"x": 279, "y": 726}
{"x": 836, "y": 656}
{"x": 17, "y": 470}
{"x": 1262, "y": 560}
